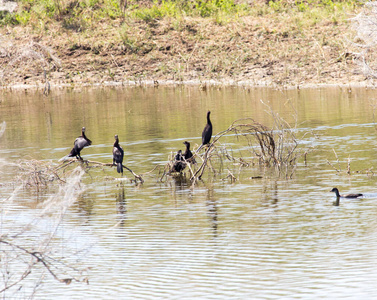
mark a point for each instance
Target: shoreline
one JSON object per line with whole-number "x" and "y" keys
{"x": 203, "y": 84}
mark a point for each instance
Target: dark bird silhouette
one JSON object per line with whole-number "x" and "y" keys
{"x": 188, "y": 154}
{"x": 80, "y": 143}
{"x": 207, "y": 132}
{"x": 179, "y": 165}
{"x": 178, "y": 156}
{"x": 118, "y": 155}
{"x": 336, "y": 191}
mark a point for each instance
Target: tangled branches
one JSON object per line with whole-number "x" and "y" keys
{"x": 271, "y": 147}
{"x": 39, "y": 174}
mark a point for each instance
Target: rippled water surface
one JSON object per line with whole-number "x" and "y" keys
{"x": 271, "y": 237}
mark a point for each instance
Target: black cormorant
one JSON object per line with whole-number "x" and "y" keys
{"x": 188, "y": 154}
{"x": 207, "y": 132}
{"x": 80, "y": 143}
{"x": 179, "y": 165}
{"x": 118, "y": 155}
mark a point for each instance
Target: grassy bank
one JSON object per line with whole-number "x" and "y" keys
{"x": 280, "y": 42}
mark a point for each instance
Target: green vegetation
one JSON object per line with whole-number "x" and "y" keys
{"x": 80, "y": 15}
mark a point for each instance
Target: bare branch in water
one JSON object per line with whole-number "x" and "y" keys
{"x": 137, "y": 177}
{"x": 231, "y": 176}
{"x": 39, "y": 174}
{"x": 19, "y": 257}
{"x": 37, "y": 257}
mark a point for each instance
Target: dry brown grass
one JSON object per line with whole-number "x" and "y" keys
{"x": 266, "y": 47}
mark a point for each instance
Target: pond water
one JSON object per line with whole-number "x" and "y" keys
{"x": 272, "y": 237}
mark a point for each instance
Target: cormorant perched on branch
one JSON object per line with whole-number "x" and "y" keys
{"x": 188, "y": 154}
{"x": 118, "y": 155}
{"x": 179, "y": 165}
{"x": 80, "y": 143}
{"x": 207, "y": 132}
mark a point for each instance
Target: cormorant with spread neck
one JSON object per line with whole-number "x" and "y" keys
{"x": 80, "y": 143}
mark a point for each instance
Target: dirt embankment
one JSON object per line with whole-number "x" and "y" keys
{"x": 252, "y": 50}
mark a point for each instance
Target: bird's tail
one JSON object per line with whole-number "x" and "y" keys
{"x": 119, "y": 168}
{"x": 73, "y": 153}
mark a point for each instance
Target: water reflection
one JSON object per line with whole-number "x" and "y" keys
{"x": 270, "y": 192}
{"x": 85, "y": 204}
{"x": 181, "y": 181}
{"x": 121, "y": 206}
{"x": 212, "y": 210}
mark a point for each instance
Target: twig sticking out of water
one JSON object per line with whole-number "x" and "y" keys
{"x": 349, "y": 166}
{"x": 231, "y": 176}
{"x": 368, "y": 171}
{"x": 328, "y": 162}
